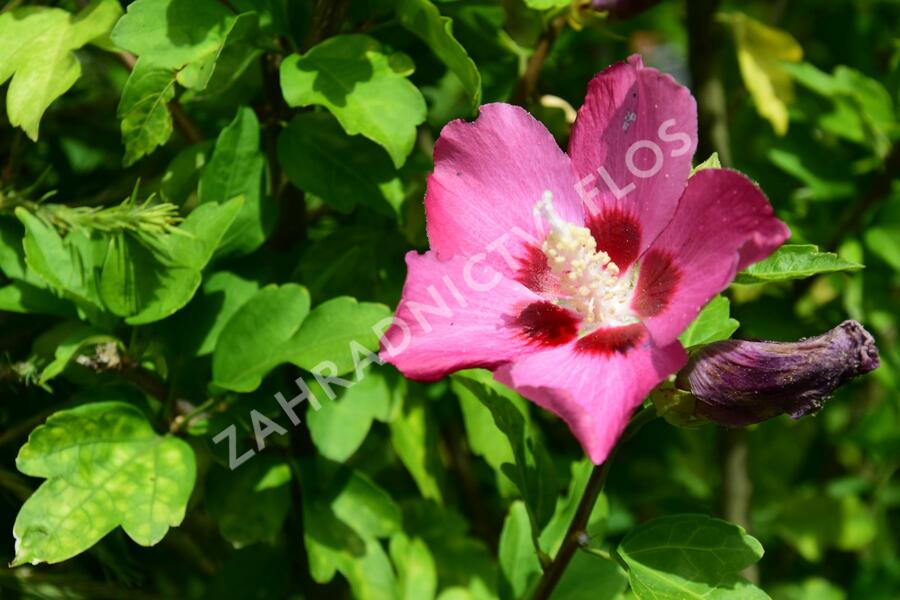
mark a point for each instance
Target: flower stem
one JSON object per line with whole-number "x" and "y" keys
{"x": 577, "y": 528}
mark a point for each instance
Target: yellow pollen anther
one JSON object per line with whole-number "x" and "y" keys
{"x": 589, "y": 280}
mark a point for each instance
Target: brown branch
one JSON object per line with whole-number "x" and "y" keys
{"x": 527, "y": 85}
{"x": 107, "y": 358}
{"x": 327, "y": 18}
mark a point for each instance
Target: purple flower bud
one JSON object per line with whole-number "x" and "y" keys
{"x": 739, "y": 382}
{"x": 623, "y": 9}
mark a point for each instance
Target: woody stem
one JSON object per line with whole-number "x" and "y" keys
{"x": 578, "y": 526}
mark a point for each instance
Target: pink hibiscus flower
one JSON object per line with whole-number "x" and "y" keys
{"x": 570, "y": 276}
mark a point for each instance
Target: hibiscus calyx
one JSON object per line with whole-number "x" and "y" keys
{"x": 589, "y": 282}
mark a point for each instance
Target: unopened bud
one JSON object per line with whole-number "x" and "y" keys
{"x": 738, "y": 382}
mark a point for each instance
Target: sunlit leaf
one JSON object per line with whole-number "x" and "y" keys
{"x": 689, "y": 556}
{"x": 795, "y": 262}
{"x": 712, "y": 324}
{"x": 144, "y": 109}
{"x": 237, "y": 167}
{"x": 367, "y": 90}
{"x": 184, "y": 35}
{"x": 761, "y": 50}
{"x": 105, "y": 467}
{"x": 519, "y": 562}
{"x": 36, "y": 50}
{"x": 257, "y": 337}
{"x": 423, "y": 19}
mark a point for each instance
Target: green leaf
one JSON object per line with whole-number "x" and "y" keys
{"x": 710, "y": 163}
{"x": 183, "y": 35}
{"x": 105, "y": 467}
{"x": 795, "y": 262}
{"x": 365, "y": 506}
{"x": 485, "y": 439}
{"x": 201, "y": 233}
{"x": 689, "y": 556}
{"x": 762, "y": 51}
{"x": 148, "y": 280}
{"x": 423, "y": 19}
{"x": 862, "y": 110}
{"x": 144, "y": 109}
{"x": 70, "y": 338}
{"x": 250, "y": 504}
{"x": 222, "y": 294}
{"x": 257, "y": 337}
{"x": 712, "y": 324}
{"x": 133, "y": 279}
{"x": 67, "y": 265}
{"x": 416, "y": 572}
{"x": 825, "y": 175}
{"x": 590, "y": 577}
{"x": 812, "y": 522}
{"x": 414, "y": 436}
{"x": 238, "y": 168}
{"x": 182, "y": 175}
{"x": 519, "y": 562}
{"x": 22, "y": 297}
{"x": 339, "y": 427}
{"x": 241, "y": 50}
{"x": 36, "y": 50}
{"x": 884, "y": 242}
{"x": 463, "y": 561}
{"x": 813, "y": 588}
{"x": 343, "y": 519}
{"x": 319, "y": 158}
{"x": 332, "y": 331}
{"x": 364, "y": 88}
{"x": 551, "y": 538}
{"x": 12, "y": 254}
{"x": 546, "y": 4}
{"x": 532, "y": 471}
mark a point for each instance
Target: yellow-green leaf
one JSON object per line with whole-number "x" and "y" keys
{"x": 105, "y": 467}
{"x": 36, "y": 45}
{"x": 761, "y": 50}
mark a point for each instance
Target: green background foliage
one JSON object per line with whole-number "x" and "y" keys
{"x": 204, "y": 202}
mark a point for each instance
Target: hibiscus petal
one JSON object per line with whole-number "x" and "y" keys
{"x": 461, "y": 313}
{"x": 723, "y": 224}
{"x": 631, "y": 146}
{"x": 595, "y": 384}
{"x": 488, "y": 176}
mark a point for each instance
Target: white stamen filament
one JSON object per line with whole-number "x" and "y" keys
{"x": 589, "y": 280}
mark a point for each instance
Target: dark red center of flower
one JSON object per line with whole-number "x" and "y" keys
{"x": 533, "y": 271}
{"x": 547, "y": 324}
{"x": 656, "y": 283}
{"x": 618, "y": 234}
{"x": 609, "y": 340}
